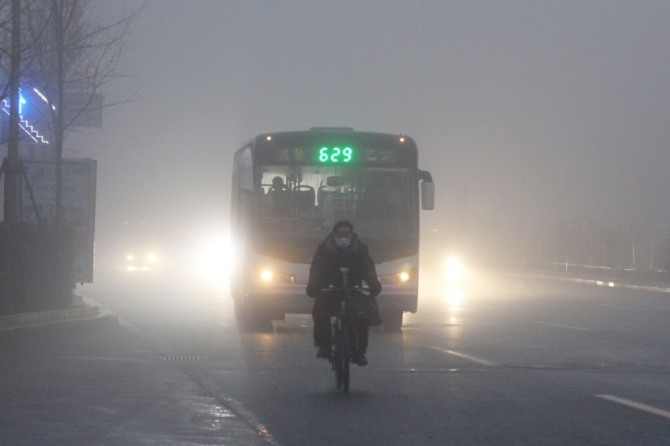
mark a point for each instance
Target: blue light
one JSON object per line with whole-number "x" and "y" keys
{"x": 24, "y": 124}
{"x": 21, "y": 102}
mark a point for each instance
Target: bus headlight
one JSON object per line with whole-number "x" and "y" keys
{"x": 268, "y": 276}
{"x": 399, "y": 277}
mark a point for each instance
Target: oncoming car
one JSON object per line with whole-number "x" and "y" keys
{"x": 141, "y": 261}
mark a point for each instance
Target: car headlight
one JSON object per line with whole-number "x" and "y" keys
{"x": 142, "y": 262}
{"x": 454, "y": 270}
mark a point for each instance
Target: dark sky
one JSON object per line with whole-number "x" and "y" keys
{"x": 528, "y": 110}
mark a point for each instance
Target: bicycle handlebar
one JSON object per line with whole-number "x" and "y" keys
{"x": 332, "y": 289}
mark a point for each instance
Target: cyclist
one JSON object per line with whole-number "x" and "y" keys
{"x": 340, "y": 249}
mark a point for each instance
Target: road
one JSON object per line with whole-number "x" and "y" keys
{"x": 500, "y": 361}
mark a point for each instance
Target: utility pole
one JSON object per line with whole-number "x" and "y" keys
{"x": 59, "y": 127}
{"x": 11, "y": 164}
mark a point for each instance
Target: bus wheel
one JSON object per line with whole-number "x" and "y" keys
{"x": 392, "y": 320}
{"x": 259, "y": 321}
{"x": 252, "y": 319}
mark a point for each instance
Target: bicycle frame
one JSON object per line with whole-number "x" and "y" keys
{"x": 343, "y": 333}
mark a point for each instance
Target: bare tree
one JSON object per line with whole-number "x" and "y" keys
{"x": 59, "y": 49}
{"x": 10, "y": 31}
{"x": 10, "y": 164}
{"x": 72, "y": 56}
{"x": 5, "y": 46}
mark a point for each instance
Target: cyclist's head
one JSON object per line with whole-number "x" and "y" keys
{"x": 343, "y": 231}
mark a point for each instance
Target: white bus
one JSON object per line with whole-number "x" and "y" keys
{"x": 321, "y": 176}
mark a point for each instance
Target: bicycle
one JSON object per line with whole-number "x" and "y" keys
{"x": 344, "y": 335}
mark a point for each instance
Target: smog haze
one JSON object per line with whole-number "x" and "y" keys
{"x": 526, "y": 113}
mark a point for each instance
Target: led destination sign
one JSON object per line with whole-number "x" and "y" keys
{"x": 333, "y": 154}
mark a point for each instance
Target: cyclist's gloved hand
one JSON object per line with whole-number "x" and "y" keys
{"x": 312, "y": 290}
{"x": 375, "y": 287}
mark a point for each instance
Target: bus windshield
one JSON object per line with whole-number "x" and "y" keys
{"x": 298, "y": 205}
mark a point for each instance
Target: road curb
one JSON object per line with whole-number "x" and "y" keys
{"x": 82, "y": 315}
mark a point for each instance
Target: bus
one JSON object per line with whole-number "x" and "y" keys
{"x": 289, "y": 188}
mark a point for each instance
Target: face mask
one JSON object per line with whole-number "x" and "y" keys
{"x": 342, "y": 242}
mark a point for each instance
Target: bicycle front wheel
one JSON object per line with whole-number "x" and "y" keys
{"x": 341, "y": 356}
{"x": 345, "y": 357}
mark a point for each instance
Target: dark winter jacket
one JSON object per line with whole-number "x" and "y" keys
{"x": 328, "y": 259}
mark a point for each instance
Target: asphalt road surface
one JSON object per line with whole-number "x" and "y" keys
{"x": 500, "y": 360}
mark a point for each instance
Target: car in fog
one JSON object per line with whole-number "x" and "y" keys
{"x": 141, "y": 261}
{"x": 135, "y": 248}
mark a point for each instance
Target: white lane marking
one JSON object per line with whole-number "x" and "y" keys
{"x": 636, "y": 405}
{"x": 617, "y": 307}
{"x": 570, "y": 327}
{"x": 465, "y": 356}
{"x": 609, "y": 284}
{"x": 623, "y": 307}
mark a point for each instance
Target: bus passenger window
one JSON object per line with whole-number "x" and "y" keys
{"x": 304, "y": 200}
{"x": 378, "y": 202}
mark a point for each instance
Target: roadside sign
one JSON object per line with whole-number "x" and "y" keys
{"x": 78, "y": 204}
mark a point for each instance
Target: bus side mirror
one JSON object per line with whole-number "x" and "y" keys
{"x": 427, "y": 196}
{"x": 427, "y": 190}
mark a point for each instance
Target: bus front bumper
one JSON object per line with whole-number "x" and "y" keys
{"x": 288, "y": 300}
{"x": 396, "y": 302}
{"x": 293, "y": 301}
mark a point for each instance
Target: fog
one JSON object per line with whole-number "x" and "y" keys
{"x": 526, "y": 113}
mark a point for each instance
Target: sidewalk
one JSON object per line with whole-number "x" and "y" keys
{"x": 85, "y": 312}
{"x": 106, "y": 386}
{"x": 659, "y": 287}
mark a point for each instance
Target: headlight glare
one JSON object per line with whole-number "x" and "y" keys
{"x": 268, "y": 276}
{"x": 404, "y": 276}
